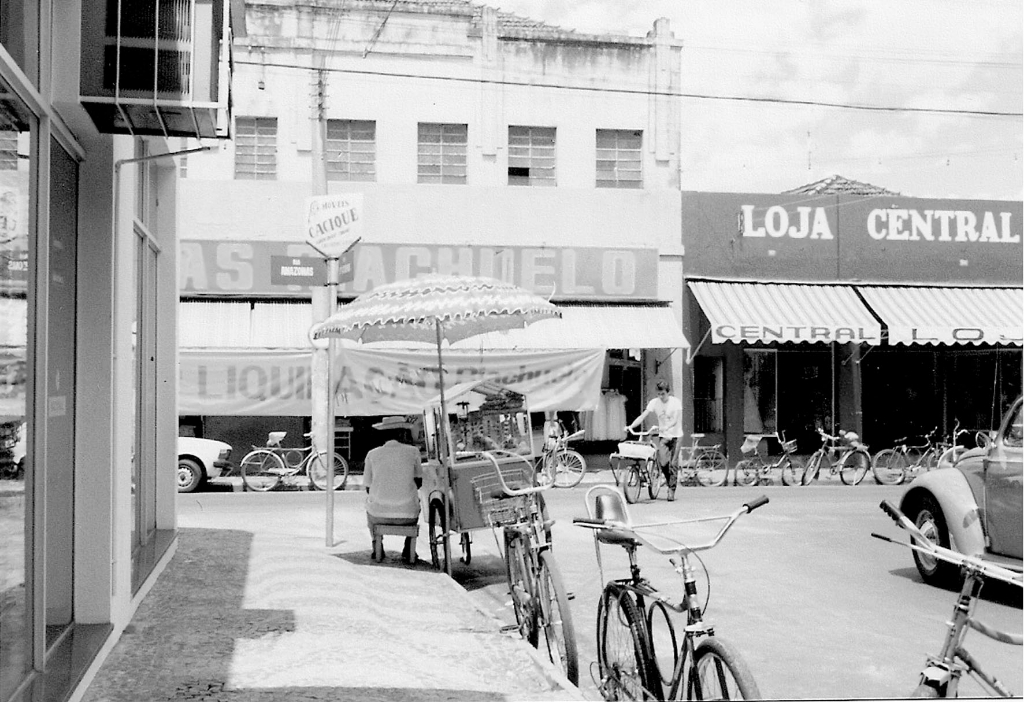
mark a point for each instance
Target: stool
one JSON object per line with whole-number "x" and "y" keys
{"x": 410, "y": 532}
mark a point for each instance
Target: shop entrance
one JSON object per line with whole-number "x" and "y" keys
{"x": 902, "y": 395}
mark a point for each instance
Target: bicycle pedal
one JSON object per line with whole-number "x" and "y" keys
{"x": 509, "y": 628}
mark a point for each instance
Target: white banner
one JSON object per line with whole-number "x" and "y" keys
{"x": 377, "y": 382}
{"x": 245, "y": 383}
{"x": 370, "y": 382}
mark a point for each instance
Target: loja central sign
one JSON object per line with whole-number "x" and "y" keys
{"x": 882, "y": 224}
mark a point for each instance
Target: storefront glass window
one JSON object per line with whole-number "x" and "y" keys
{"x": 16, "y": 506}
{"x": 759, "y": 392}
{"x": 707, "y": 394}
{"x": 19, "y": 34}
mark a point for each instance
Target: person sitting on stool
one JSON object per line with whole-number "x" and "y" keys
{"x": 392, "y": 476}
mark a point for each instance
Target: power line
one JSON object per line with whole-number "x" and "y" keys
{"x": 633, "y": 91}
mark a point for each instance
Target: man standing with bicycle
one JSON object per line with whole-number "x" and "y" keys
{"x": 669, "y": 412}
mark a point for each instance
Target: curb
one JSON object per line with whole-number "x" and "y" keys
{"x": 555, "y": 678}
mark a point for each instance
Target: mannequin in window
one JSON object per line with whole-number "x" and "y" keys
{"x": 752, "y": 423}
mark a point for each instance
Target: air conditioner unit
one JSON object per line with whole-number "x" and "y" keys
{"x": 157, "y": 67}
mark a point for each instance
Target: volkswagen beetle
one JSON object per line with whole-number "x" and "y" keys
{"x": 974, "y": 506}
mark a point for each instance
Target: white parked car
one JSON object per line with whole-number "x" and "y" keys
{"x": 200, "y": 460}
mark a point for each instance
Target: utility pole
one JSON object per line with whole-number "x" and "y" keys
{"x": 325, "y": 302}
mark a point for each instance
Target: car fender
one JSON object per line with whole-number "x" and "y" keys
{"x": 951, "y": 490}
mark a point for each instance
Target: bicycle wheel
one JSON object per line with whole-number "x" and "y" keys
{"x": 930, "y": 458}
{"x": 664, "y": 646}
{"x": 555, "y": 618}
{"x": 655, "y": 478}
{"x": 316, "y": 469}
{"x": 625, "y": 670}
{"x": 631, "y": 486}
{"x": 855, "y": 466}
{"x": 520, "y": 585}
{"x": 261, "y": 470}
{"x": 792, "y": 470}
{"x": 813, "y": 466}
{"x": 569, "y": 467}
{"x": 718, "y": 673}
{"x": 746, "y": 472}
{"x": 712, "y": 468}
{"x": 440, "y": 545}
{"x": 889, "y": 467}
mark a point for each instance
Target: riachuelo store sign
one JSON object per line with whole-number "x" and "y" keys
{"x": 233, "y": 267}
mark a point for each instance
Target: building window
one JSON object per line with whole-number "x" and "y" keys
{"x": 442, "y": 153}
{"x": 351, "y": 150}
{"x": 619, "y": 164}
{"x": 256, "y": 148}
{"x": 531, "y": 155}
{"x": 8, "y": 150}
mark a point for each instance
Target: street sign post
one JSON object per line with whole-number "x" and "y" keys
{"x": 333, "y": 226}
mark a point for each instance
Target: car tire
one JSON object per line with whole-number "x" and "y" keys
{"x": 190, "y": 475}
{"x": 928, "y": 517}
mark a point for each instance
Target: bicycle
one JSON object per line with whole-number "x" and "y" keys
{"x": 843, "y": 454}
{"x": 891, "y": 466}
{"x": 265, "y": 467}
{"x": 756, "y": 470}
{"x": 942, "y": 672}
{"x": 641, "y": 467}
{"x": 560, "y": 464}
{"x": 639, "y": 656}
{"x": 539, "y": 597}
{"x": 706, "y": 465}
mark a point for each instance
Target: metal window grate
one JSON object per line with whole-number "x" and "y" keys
{"x": 351, "y": 150}
{"x": 531, "y": 156}
{"x": 441, "y": 153}
{"x": 256, "y": 148}
{"x": 619, "y": 158}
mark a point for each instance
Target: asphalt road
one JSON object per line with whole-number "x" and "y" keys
{"x": 816, "y": 606}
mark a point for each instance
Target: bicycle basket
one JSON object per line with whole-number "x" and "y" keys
{"x": 497, "y": 508}
{"x": 789, "y": 446}
{"x": 636, "y": 449}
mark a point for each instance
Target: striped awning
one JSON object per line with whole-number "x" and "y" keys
{"x": 760, "y": 312}
{"x": 591, "y": 327}
{"x": 940, "y": 315}
{"x": 286, "y": 325}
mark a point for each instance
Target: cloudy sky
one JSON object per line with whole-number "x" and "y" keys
{"x": 931, "y": 65}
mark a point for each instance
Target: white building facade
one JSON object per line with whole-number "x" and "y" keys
{"x": 482, "y": 143}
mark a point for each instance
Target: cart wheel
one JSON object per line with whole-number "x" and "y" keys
{"x": 440, "y": 547}
{"x": 467, "y": 552}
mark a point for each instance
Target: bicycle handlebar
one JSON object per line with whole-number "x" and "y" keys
{"x": 924, "y": 545}
{"x": 642, "y": 434}
{"x": 511, "y": 492}
{"x": 675, "y": 546}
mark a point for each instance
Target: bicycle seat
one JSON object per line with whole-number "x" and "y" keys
{"x": 274, "y": 438}
{"x": 608, "y": 502}
{"x": 697, "y": 436}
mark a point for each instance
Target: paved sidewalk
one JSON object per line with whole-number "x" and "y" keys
{"x": 254, "y": 607}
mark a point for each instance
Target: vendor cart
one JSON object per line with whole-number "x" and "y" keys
{"x": 480, "y": 474}
{"x": 457, "y": 476}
